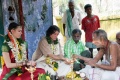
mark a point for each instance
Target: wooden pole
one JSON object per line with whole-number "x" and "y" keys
{"x": 21, "y": 18}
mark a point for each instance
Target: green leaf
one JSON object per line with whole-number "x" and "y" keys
{"x": 56, "y": 65}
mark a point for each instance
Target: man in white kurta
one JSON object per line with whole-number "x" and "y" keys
{"x": 71, "y": 19}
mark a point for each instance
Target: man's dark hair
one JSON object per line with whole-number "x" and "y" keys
{"x": 76, "y": 31}
{"x": 52, "y": 29}
{"x": 87, "y": 6}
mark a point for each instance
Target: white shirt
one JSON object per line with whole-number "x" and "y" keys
{"x": 76, "y": 20}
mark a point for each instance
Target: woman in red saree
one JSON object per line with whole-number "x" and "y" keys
{"x": 15, "y": 56}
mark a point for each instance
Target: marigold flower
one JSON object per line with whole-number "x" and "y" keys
{"x": 47, "y": 78}
{"x": 55, "y": 69}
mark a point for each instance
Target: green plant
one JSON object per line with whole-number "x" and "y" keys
{"x": 44, "y": 76}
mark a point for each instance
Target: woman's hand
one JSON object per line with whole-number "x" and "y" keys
{"x": 67, "y": 61}
{"x": 31, "y": 63}
{"x": 62, "y": 57}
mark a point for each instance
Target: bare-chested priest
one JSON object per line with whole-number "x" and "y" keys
{"x": 109, "y": 68}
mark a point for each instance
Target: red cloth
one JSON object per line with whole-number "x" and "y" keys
{"x": 24, "y": 76}
{"x": 89, "y": 25}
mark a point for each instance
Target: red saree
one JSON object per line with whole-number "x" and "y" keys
{"x": 25, "y": 74}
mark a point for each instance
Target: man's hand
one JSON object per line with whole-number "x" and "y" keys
{"x": 75, "y": 56}
{"x": 91, "y": 62}
{"x": 88, "y": 59}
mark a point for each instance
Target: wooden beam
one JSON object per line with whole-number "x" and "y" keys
{"x": 21, "y": 18}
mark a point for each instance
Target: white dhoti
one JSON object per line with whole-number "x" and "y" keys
{"x": 63, "y": 69}
{"x": 100, "y": 74}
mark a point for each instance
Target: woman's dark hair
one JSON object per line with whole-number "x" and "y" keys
{"x": 87, "y": 6}
{"x": 52, "y": 29}
{"x": 13, "y": 25}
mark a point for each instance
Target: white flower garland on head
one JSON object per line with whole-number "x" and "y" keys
{"x": 15, "y": 50}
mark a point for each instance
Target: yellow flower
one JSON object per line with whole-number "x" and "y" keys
{"x": 20, "y": 47}
{"x": 19, "y": 74}
{"x": 71, "y": 74}
{"x": 55, "y": 69}
{"x": 47, "y": 78}
{"x": 48, "y": 60}
{"x": 19, "y": 56}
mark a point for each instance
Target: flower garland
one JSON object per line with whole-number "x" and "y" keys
{"x": 18, "y": 50}
{"x": 53, "y": 48}
{"x": 49, "y": 40}
{"x": 52, "y": 44}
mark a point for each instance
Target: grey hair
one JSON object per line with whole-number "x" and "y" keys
{"x": 101, "y": 33}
